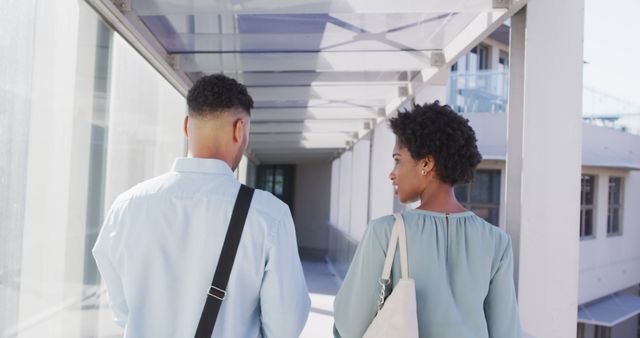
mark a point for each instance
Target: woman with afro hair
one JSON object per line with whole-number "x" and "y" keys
{"x": 462, "y": 266}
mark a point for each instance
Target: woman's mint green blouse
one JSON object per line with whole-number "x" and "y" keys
{"x": 463, "y": 272}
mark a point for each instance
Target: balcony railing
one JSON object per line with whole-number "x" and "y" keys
{"x": 479, "y": 92}
{"x": 488, "y": 92}
{"x": 603, "y": 109}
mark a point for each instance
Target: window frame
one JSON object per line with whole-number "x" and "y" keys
{"x": 484, "y": 57}
{"x": 467, "y": 203}
{"x": 584, "y": 207}
{"x": 503, "y": 55}
{"x": 611, "y": 206}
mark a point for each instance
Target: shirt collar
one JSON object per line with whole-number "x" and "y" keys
{"x": 201, "y": 165}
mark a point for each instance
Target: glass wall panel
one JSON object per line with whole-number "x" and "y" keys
{"x": 83, "y": 117}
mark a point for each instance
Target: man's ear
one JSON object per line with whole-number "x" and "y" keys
{"x": 238, "y": 130}
{"x": 185, "y": 127}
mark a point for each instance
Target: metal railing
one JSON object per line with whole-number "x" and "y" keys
{"x": 600, "y": 108}
{"x": 487, "y": 91}
{"x": 482, "y": 91}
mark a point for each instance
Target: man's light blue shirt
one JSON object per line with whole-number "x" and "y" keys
{"x": 160, "y": 244}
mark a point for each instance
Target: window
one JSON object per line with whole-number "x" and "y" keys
{"x": 278, "y": 180}
{"x": 503, "y": 61}
{"x": 593, "y": 331}
{"x": 587, "y": 197}
{"x": 614, "y": 213}
{"x": 477, "y": 58}
{"x": 482, "y": 196}
{"x": 602, "y": 332}
{"x": 581, "y": 330}
{"x": 483, "y": 57}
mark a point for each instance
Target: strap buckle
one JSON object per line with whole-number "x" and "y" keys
{"x": 216, "y": 292}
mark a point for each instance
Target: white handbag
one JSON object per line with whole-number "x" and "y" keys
{"x": 397, "y": 315}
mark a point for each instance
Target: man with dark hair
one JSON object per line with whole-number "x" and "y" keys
{"x": 162, "y": 240}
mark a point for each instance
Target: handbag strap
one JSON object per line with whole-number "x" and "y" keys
{"x": 397, "y": 236}
{"x": 217, "y": 292}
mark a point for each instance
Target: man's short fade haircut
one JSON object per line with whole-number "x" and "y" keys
{"x": 438, "y": 131}
{"x": 217, "y": 93}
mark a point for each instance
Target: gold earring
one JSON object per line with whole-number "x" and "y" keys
{"x": 423, "y": 172}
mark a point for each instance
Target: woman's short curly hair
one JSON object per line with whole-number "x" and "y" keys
{"x": 213, "y": 94}
{"x": 438, "y": 131}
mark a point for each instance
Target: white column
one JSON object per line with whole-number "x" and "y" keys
{"x": 344, "y": 197}
{"x": 335, "y": 193}
{"x": 551, "y": 163}
{"x": 360, "y": 171}
{"x": 513, "y": 173}
{"x": 380, "y": 189}
{"x": 494, "y": 56}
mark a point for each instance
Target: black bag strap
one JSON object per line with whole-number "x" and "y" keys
{"x": 217, "y": 292}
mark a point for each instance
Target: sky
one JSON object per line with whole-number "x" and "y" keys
{"x": 612, "y": 47}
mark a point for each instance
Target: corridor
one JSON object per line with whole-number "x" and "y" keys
{"x": 323, "y": 284}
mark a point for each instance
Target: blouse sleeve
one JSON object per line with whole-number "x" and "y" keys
{"x": 356, "y": 303}
{"x": 500, "y": 305}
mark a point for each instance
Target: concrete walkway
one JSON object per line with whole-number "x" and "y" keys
{"x": 323, "y": 285}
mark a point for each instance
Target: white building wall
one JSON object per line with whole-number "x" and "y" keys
{"x": 312, "y": 204}
{"x": 360, "y": 189}
{"x": 381, "y": 194}
{"x": 335, "y": 192}
{"x": 344, "y": 195}
{"x": 342, "y": 245}
{"x": 490, "y": 131}
{"x": 611, "y": 263}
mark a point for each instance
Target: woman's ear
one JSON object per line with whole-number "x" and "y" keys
{"x": 427, "y": 164}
